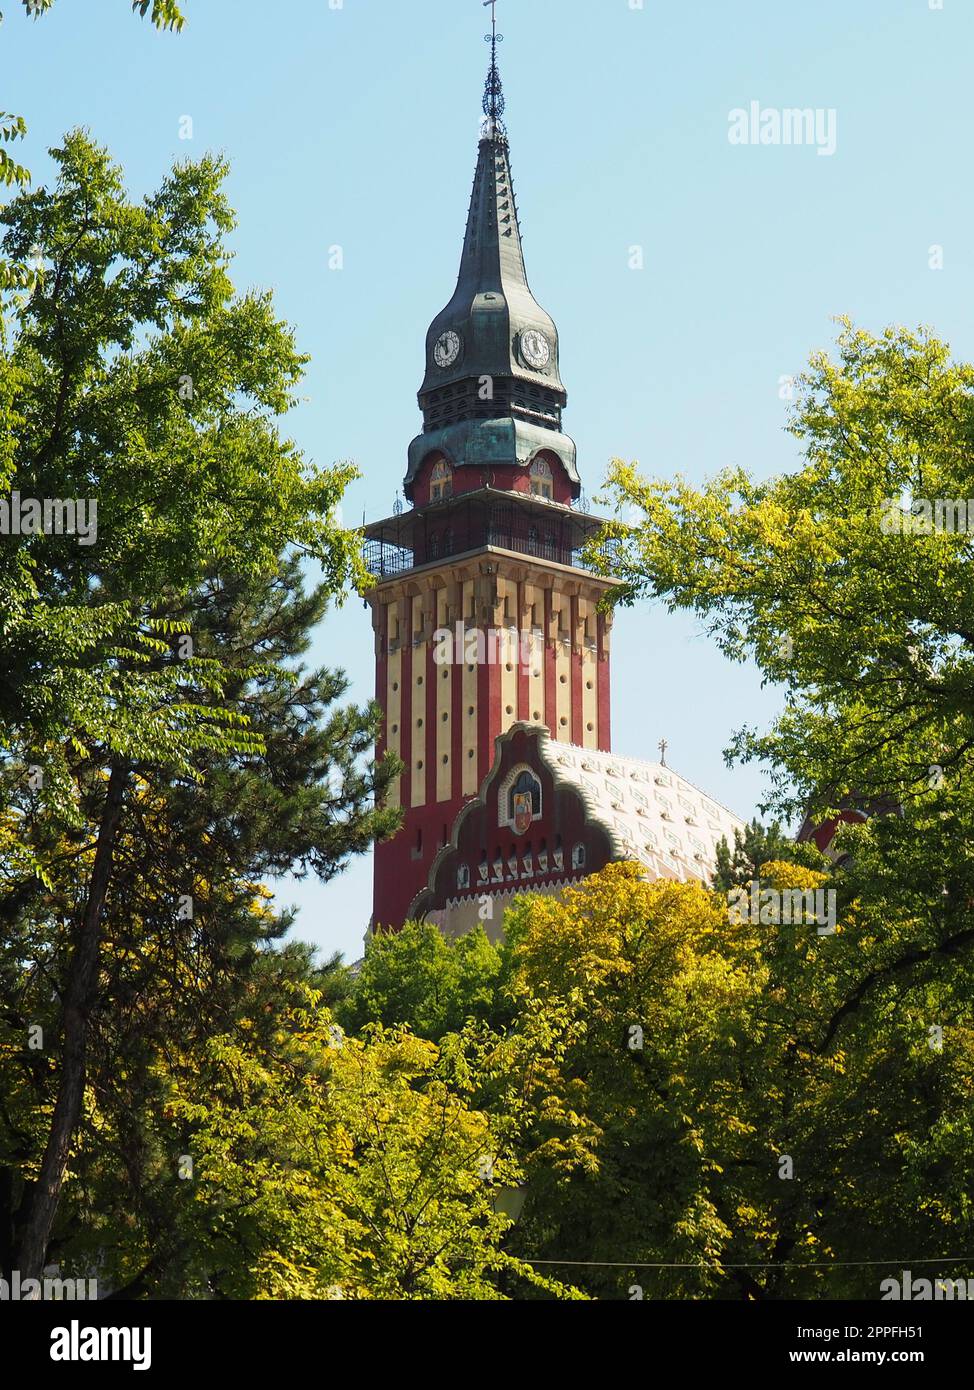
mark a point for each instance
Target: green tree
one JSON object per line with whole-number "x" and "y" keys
{"x": 186, "y": 923}
{"x": 360, "y": 1168}
{"x": 428, "y": 982}
{"x": 631, "y": 1122}
{"x": 165, "y": 14}
{"x": 744, "y": 1109}
{"x": 755, "y": 845}
{"x": 864, "y": 619}
{"x": 135, "y": 376}
{"x": 847, "y": 580}
{"x": 287, "y": 1159}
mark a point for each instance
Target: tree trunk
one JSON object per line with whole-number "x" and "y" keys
{"x": 6, "y": 1221}
{"x": 79, "y": 998}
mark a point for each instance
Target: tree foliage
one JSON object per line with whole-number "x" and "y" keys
{"x": 287, "y": 1159}
{"x": 162, "y": 749}
{"x": 844, "y": 585}
{"x": 742, "y": 1109}
{"x": 869, "y": 631}
{"x": 431, "y": 983}
{"x": 164, "y": 14}
{"x": 754, "y": 846}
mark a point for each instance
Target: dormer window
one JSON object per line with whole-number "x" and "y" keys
{"x": 441, "y": 481}
{"x": 541, "y": 480}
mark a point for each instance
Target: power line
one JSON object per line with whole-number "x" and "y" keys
{"x": 785, "y": 1264}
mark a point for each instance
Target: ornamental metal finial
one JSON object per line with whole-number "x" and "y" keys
{"x": 493, "y": 91}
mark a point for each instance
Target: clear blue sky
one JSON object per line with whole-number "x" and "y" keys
{"x": 358, "y": 125}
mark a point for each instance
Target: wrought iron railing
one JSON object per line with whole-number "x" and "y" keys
{"x": 384, "y": 560}
{"x": 432, "y": 543}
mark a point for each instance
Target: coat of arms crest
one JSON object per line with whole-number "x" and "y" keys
{"x": 522, "y": 812}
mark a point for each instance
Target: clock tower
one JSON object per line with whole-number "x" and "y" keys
{"x": 484, "y": 613}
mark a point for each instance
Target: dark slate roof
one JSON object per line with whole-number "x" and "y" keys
{"x": 500, "y": 399}
{"x": 492, "y": 303}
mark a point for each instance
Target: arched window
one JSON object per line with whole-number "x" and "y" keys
{"x": 463, "y": 877}
{"x": 541, "y": 481}
{"x": 519, "y": 798}
{"x": 526, "y": 782}
{"x": 578, "y": 857}
{"x": 441, "y": 481}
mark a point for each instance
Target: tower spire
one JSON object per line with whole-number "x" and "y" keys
{"x": 492, "y": 394}
{"x": 494, "y": 102}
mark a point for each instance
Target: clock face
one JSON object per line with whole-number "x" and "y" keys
{"x": 535, "y": 348}
{"x": 446, "y": 349}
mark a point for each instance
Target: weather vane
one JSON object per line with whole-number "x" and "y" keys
{"x": 493, "y": 92}
{"x": 663, "y": 745}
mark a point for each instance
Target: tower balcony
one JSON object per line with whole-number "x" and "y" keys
{"x": 486, "y": 518}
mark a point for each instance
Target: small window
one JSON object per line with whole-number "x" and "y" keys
{"x": 463, "y": 877}
{"x": 540, "y": 479}
{"x": 441, "y": 481}
{"x": 578, "y": 857}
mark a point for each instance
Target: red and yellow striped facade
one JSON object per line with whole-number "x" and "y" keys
{"x": 442, "y": 716}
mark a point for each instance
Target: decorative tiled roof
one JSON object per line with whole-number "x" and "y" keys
{"x": 646, "y": 812}
{"x": 650, "y": 812}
